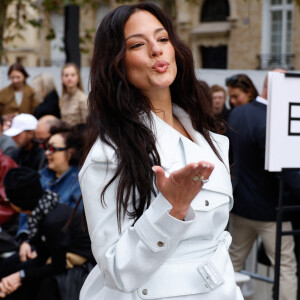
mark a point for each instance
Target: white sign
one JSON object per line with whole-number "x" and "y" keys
{"x": 283, "y": 122}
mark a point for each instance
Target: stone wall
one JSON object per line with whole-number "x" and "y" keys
{"x": 245, "y": 35}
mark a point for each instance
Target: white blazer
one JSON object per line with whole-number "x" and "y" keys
{"x": 161, "y": 257}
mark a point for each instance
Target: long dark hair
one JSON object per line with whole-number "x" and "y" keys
{"x": 116, "y": 107}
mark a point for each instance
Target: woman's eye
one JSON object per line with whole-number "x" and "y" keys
{"x": 164, "y": 40}
{"x": 136, "y": 46}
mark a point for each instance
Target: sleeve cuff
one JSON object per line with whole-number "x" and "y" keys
{"x": 158, "y": 229}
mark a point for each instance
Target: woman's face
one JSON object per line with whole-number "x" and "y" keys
{"x": 150, "y": 56}
{"x": 17, "y": 79}
{"x": 58, "y": 160}
{"x": 237, "y": 96}
{"x": 70, "y": 77}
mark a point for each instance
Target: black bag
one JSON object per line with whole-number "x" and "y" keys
{"x": 70, "y": 282}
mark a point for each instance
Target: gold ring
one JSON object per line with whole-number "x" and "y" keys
{"x": 200, "y": 178}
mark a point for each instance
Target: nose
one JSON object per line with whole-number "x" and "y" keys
{"x": 156, "y": 49}
{"x": 47, "y": 152}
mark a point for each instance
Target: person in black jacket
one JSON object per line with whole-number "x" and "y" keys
{"x": 22, "y": 132}
{"x": 60, "y": 253}
{"x": 45, "y": 92}
{"x": 256, "y": 194}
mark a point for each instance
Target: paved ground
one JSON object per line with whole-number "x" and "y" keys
{"x": 257, "y": 289}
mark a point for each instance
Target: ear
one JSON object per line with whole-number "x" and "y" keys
{"x": 69, "y": 153}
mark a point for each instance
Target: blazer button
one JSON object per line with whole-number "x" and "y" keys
{"x": 206, "y": 202}
{"x": 145, "y": 292}
{"x": 160, "y": 244}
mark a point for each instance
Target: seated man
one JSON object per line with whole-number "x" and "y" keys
{"x": 22, "y": 132}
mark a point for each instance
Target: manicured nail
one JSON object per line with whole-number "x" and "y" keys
{"x": 154, "y": 169}
{"x": 195, "y": 166}
{"x": 204, "y": 165}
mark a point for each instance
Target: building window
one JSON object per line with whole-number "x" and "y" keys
{"x": 278, "y": 33}
{"x": 214, "y": 57}
{"x": 214, "y": 11}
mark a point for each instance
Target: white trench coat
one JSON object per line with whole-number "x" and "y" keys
{"x": 161, "y": 257}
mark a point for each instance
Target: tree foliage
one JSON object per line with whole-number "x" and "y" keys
{"x": 12, "y": 25}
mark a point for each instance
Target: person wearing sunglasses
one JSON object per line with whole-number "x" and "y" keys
{"x": 62, "y": 151}
{"x": 241, "y": 90}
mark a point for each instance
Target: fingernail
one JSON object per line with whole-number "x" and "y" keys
{"x": 154, "y": 169}
{"x": 195, "y": 166}
{"x": 204, "y": 165}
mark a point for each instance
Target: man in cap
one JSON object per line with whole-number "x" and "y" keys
{"x": 22, "y": 132}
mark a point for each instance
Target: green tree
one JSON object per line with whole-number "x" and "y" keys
{"x": 12, "y": 26}
{"x": 21, "y": 19}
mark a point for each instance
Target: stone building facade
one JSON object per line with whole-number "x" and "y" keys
{"x": 223, "y": 34}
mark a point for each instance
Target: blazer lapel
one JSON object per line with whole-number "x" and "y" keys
{"x": 200, "y": 150}
{"x": 167, "y": 142}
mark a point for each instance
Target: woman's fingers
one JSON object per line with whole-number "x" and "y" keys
{"x": 200, "y": 170}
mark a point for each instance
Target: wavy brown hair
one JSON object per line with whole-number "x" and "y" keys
{"x": 116, "y": 106}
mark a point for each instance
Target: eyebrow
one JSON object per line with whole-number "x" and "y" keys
{"x": 142, "y": 35}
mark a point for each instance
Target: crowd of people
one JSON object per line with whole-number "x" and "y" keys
{"x": 158, "y": 179}
{"x": 41, "y": 143}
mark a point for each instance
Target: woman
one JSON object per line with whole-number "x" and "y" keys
{"x": 47, "y": 96}
{"x": 18, "y": 97}
{"x": 73, "y": 103}
{"x": 63, "y": 152}
{"x": 163, "y": 241}
{"x": 241, "y": 90}
{"x": 61, "y": 176}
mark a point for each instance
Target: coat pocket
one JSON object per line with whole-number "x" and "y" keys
{"x": 188, "y": 278}
{"x": 208, "y": 200}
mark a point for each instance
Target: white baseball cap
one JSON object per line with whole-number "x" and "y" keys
{"x": 20, "y": 123}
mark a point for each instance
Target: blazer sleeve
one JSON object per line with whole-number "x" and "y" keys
{"x": 127, "y": 259}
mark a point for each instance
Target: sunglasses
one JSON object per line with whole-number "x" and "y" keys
{"x": 42, "y": 143}
{"x": 233, "y": 80}
{"x": 52, "y": 149}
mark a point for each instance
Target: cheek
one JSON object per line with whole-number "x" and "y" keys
{"x": 243, "y": 98}
{"x": 133, "y": 69}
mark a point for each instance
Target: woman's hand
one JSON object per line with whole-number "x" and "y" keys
{"x": 182, "y": 186}
{"x": 9, "y": 284}
{"x": 26, "y": 253}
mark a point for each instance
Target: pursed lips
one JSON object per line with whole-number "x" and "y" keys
{"x": 160, "y": 66}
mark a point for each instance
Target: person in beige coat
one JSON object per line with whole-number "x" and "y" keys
{"x": 73, "y": 103}
{"x": 18, "y": 97}
{"x": 155, "y": 182}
